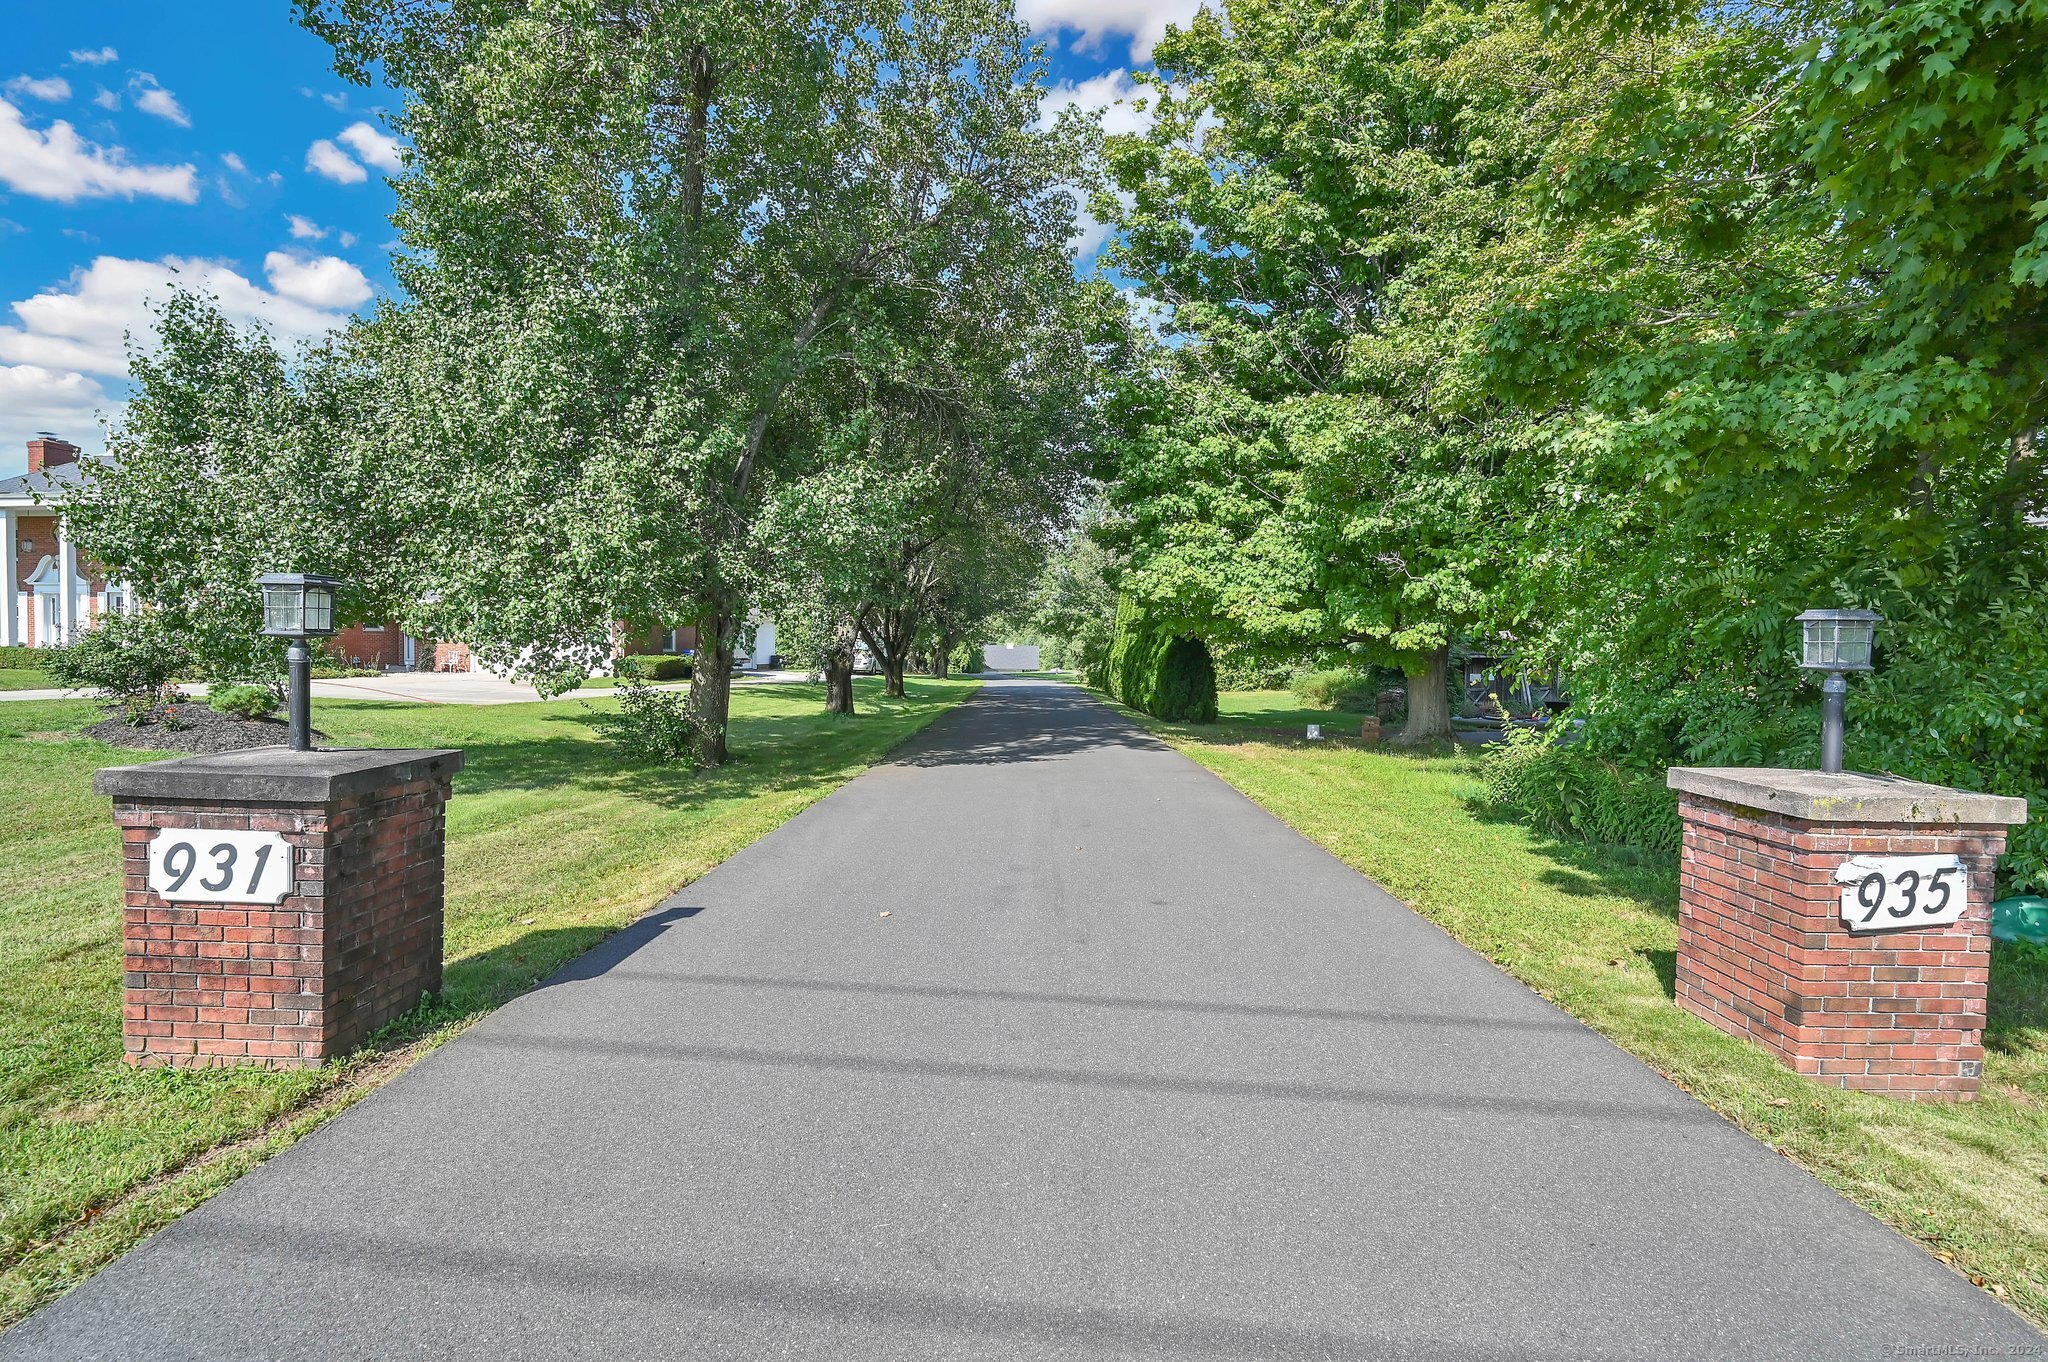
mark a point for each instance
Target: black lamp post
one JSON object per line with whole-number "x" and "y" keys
{"x": 298, "y": 606}
{"x": 1836, "y": 641}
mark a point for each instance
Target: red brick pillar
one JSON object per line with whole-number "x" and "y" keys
{"x": 1842, "y": 921}
{"x": 281, "y": 906}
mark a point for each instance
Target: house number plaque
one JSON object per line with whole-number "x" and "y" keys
{"x": 193, "y": 865}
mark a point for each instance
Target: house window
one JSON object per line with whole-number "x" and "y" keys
{"x": 373, "y": 628}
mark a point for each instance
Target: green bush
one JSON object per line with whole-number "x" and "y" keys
{"x": 650, "y": 725}
{"x": 1149, "y": 669}
{"x": 1239, "y": 669}
{"x": 124, "y": 657}
{"x": 652, "y": 667}
{"x": 15, "y": 657}
{"x": 242, "y": 702}
{"x": 1335, "y": 688}
{"x": 1568, "y": 791}
{"x": 966, "y": 658}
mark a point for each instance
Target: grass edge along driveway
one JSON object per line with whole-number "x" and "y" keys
{"x": 554, "y": 843}
{"x": 1594, "y": 930}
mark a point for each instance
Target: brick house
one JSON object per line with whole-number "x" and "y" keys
{"x": 48, "y": 593}
{"x": 51, "y": 593}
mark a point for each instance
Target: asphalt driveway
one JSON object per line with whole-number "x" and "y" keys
{"x": 1037, "y": 1043}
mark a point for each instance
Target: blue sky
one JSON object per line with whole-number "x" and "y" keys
{"x": 146, "y": 142}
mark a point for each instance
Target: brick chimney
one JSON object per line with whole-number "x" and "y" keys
{"x": 47, "y": 451}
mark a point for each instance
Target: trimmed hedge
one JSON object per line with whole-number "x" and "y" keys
{"x": 1171, "y": 678}
{"x": 652, "y": 667}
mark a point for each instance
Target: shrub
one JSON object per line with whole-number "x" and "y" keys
{"x": 650, "y": 725}
{"x": 653, "y": 667}
{"x": 966, "y": 658}
{"x": 125, "y": 657}
{"x": 1184, "y": 683}
{"x": 15, "y": 656}
{"x": 1150, "y": 669}
{"x": 1335, "y": 688}
{"x": 243, "y": 702}
{"x": 1568, "y": 791}
{"x": 1239, "y": 669}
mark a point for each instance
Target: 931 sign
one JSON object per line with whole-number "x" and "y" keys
{"x": 1902, "y": 893}
{"x": 191, "y": 865}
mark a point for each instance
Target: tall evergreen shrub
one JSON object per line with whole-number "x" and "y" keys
{"x": 1149, "y": 669}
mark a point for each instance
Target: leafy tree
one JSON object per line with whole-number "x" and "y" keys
{"x": 233, "y": 460}
{"x": 1785, "y": 319}
{"x": 644, "y": 246}
{"x": 1307, "y": 468}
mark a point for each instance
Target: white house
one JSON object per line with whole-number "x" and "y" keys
{"x": 47, "y": 594}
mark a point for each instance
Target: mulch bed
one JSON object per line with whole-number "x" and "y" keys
{"x": 193, "y": 728}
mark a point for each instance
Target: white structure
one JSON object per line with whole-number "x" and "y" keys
{"x": 46, "y": 595}
{"x": 764, "y": 641}
{"x": 1010, "y": 657}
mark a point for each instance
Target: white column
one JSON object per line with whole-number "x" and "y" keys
{"x": 67, "y": 582}
{"x": 10, "y": 584}
{"x": 129, "y": 605}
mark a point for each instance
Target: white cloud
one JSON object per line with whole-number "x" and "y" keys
{"x": 51, "y": 90}
{"x": 34, "y": 399}
{"x": 153, "y": 98}
{"x": 337, "y": 102}
{"x": 1112, "y": 97}
{"x": 325, "y": 158}
{"x": 81, "y": 324}
{"x": 95, "y": 57}
{"x": 107, "y": 99}
{"x": 61, "y": 165}
{"x": 373, "y": 147}
{"x": 1144, "y": 21}
{"x": 317, "y": 281}
{"x": 234, "y": 163}
{"x": 347, "y": 239}
{"x": 304, "y": 228}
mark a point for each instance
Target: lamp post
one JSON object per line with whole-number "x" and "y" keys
{"x": 1836, "y": 641}
{"x": 298, "y": 606}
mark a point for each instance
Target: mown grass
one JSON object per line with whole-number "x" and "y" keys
{"x": 554, "y": 842}
{"x": 1595, "y": 930}
{"x": 26, "y": 678}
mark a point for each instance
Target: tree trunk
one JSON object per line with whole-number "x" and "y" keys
{"x": 1429, "y": 706}
{"x": 892, "y": 677}
{"x": 711, "y": 683}
{"x": 942, "y": 659}
{"x": 839, "y": 670}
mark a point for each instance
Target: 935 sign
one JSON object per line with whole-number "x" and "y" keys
{"x": 189, "y": 865}
{"x": 1902, "y": 893}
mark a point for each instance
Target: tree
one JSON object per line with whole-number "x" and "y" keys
{"x": 640, "y": 241}
{"x": 232, "y": 460}
{"x": 1303, "y": 470}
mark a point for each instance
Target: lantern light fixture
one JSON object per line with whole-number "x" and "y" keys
{"x": 1836, "y": 641}
{"x": 298, "y": 606}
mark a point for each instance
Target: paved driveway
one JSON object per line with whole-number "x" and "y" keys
{"x": 1037, "y": 1043}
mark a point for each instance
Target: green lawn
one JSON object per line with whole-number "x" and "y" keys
{"x": 25, "y": 678}
{"x": 554, "y": 843}
{"x": 1596, "y": 931}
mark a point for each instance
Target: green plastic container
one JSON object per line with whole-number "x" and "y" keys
{"x": 2021, "y": 918}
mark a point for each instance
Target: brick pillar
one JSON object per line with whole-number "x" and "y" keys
{"x": 338, "y": 859}
{"x": 1774, "y": 945}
